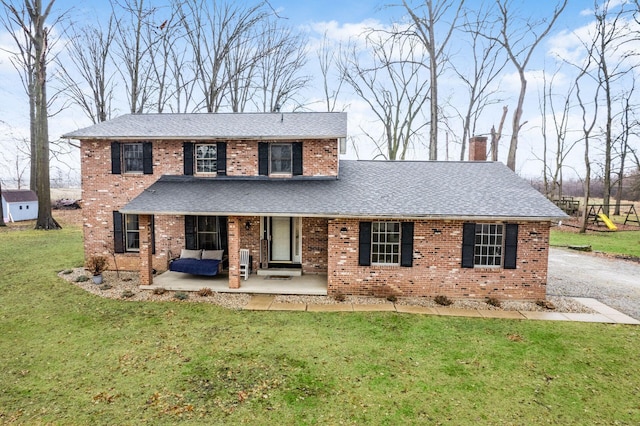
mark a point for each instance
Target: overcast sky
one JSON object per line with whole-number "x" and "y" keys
{"x": 341, "y": 20}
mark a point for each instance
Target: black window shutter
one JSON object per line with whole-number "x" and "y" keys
{"x": 221, "y": 158}
{"x": 296, "y": 153}
{"x": 187, "y": 151}
{"x": 118, "y": 233}
{"x": 116, "y": 163}
{"x": 190, "y": 223}
{"x": 468, "y": 244}
{"x": 147, "y": 158}
{"x": 224, "y": 239}
{"x": 406, "y": 246}
{"x": 364, "y": 249}
{"x": 263, "y": 158}
{"x": 510, "y": 245}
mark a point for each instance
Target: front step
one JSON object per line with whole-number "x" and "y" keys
{"x": 280, "y": 272}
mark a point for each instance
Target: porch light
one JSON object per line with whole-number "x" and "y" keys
{"x": 247, "y": 225}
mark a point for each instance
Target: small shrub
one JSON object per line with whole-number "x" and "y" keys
{"x": 205, "y": 292}
{"x": 494, "y": 302}
{"x": 443, "y": 300}
{"x": 97, "y": 264}
{"x": 340, "y": 297}
{"x": 82, "y": 278}
{"x": 67, "y": 271}
{"x": 392, "y": 298}
{"x": 159, "y": 291}
{"x": 181, "y": 295}
{"x": 127, "y": 294}
{"x": 104, "y": 287}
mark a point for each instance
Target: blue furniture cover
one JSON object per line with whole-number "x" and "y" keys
{"x": 195, "y": 266}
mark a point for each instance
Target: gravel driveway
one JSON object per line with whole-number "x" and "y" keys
{"x": 613, "y": 282}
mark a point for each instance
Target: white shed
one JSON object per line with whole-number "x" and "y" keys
{"x": 19, "y": 205}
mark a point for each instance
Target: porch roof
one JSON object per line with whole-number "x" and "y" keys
{"x": 209, "y": 126}
{"x": 385, "y": 189}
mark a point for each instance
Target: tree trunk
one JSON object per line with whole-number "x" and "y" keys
{"x": 45, "y": 219}
{"x": 1, "y": 210}
{"x": 517, "y": 116}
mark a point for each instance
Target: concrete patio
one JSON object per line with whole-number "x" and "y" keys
{"x": 307, "y": 284}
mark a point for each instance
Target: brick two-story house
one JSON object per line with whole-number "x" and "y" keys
{"x": 273, "y": 183}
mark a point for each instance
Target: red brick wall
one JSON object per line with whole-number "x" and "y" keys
{"x": 314, "y": 245}
{"x": 436, "y": 265}
{"x": 103, "y": 193}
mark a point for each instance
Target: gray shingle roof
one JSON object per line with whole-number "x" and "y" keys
{"x": 263, "y": 126}
{"x": 18, "y": 196}
{"x": 461, "y": 190}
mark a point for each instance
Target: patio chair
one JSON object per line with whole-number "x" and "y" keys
{"x": 245, "y": 266}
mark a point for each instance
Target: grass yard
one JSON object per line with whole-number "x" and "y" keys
{"x": 68, "y": 357}
{"x": 621, "y": 242}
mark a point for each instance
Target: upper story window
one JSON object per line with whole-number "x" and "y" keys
{"x": 131, "y": 158}
{"x": 206, "y": 158}
{"x": 280, "y": 159}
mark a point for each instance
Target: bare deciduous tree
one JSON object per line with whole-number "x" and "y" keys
{"x": 482, "y": 65}
{"x": 31, "y": 19}
{"x": 88, "y": 67}
{"x": 327, "y": 61}
{"x": 213, "y": 30}
{"x": 387, "y": 76}
{"x": 427, "y": 19}
{"x": 520, "y": 38}
{"x": 279, "y": 77}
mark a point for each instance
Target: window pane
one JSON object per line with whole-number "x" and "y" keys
{"x": 132, "y": 232}
{"x": 280, "y": 158}
{"x": 385, "y": 247}
{"x": 206, "y": 156}
{"x": 488, "y": 247}
{"x": 132, "y": 154}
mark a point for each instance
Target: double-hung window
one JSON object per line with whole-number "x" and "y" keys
{"x": 489, "y": 245}
{"x": 280, "y": 159}
{"x": 132, "y": 232}
{"x": 126, "y": 233}
{"x": 385, "y": 243}
{"x": 131, "y": 158}
{"x": 206, "y": 158}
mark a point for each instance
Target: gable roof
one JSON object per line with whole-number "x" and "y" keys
{"x": 260, "y": 126}
{"x": 18, "y": 195}
{"x": 385, "y": 189}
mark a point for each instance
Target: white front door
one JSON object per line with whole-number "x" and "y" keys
{"x": 281, "y": 239}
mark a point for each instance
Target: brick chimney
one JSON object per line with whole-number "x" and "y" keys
{"x": 478, "y": 148}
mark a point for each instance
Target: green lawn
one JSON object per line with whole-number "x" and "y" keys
{"x": 68, "y": 357}
{"x": 621, "y": 242}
